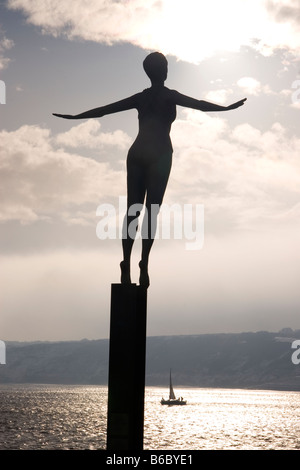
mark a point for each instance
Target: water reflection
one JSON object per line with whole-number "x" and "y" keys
{"x": 74, "y": 417}
{"x": 224, "y": 419}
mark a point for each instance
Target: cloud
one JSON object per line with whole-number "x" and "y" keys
{"x": 5, "y": 45}
{"x": 218, "y": 96}
{"x": 247, "y": 179}
{"x": 296, "y": 105}
{"x": 284, "y": 10}
{"x": 96, "y": 20}
{"x": 189, "y": 30}
{"x": 251, "y": 86}
{"x": 87, "y": 135}
{"x": 41, "y": 181}
{"x": 282, "y": 28}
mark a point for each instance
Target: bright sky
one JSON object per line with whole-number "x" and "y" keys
{"x": 243, "y": 166}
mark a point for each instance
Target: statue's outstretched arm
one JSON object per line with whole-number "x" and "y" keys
{"x": 187, "y": 102}
{"x": 122, "y": 105}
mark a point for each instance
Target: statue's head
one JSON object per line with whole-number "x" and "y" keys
{"x": 156, "y": 67}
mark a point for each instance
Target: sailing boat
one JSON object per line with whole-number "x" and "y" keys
{"x": 172, "y": 398}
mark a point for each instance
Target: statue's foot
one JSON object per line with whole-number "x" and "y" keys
{"x": 125, "y": 273}
{"x": 144, "y": 276}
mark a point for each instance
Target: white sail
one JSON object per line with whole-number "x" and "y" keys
{"x": 171, "y": 393}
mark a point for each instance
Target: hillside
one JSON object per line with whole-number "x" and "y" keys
{"x": 259, "y": 360}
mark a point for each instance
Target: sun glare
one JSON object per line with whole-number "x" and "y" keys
{"x": 193, "y": 30}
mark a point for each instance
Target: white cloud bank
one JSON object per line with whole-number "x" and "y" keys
{"x": 41, "y": 180}
{"x": 244, "y": 177}
{"x": 86, "y": 134}
{"x": 190, "y": 30}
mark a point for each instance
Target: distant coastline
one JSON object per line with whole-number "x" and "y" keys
{"x": 260, "y": 360}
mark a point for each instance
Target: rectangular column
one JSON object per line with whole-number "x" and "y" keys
{"x": 126, "y": 381}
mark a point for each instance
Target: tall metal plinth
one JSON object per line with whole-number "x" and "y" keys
{"x": 126, "y": 380}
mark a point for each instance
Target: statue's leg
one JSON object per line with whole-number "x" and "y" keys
{"x": 135, "y": 197}
{"x": 157, "y": 180}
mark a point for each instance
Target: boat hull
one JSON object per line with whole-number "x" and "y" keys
{"x": 173, "y": 402}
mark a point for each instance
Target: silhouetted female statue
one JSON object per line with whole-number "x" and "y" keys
{"x": 149, "y": 158}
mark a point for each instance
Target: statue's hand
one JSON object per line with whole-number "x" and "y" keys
{"x": 237, "y": 104}
{"x": 64, "y": 116}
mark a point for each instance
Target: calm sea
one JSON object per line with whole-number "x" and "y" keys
{"x": 74, "y": 417}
